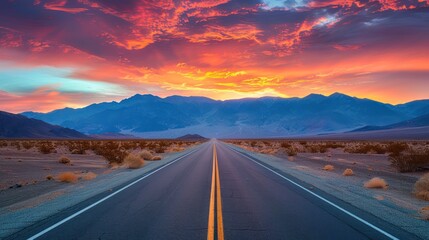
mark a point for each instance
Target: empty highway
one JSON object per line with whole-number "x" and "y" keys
{"x": 213, "y": 193}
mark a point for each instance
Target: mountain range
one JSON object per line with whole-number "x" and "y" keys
{"x": 153, "y": 117}
{"x": 18, "y": 126}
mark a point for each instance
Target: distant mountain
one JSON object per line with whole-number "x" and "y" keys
{"x": 18, "y": 126}
{"x": 113, "y": 136}
{"x": 192, "y": 137}
{"x": 150, "y": 116}
{"x": 422, "y": 121}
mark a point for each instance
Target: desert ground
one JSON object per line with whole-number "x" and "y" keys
{"x": 32, "y": 168}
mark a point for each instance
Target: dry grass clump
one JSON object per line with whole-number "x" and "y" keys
{"x": 134, "y": 161}
{"x": 68, "y": 177}
{"x": 376, "y": 182}
{"x": 64, "y": 160}
{"x": 156, "y": 158}
{"x": 424, "y": 212}
{"x": 89, "y": 176}
{"x": 410, "y": 160}
{"x": 112, "y": 151}
{"x": 421, "y": 187}
{"x": 291, "y": 151}
{"x": 328, "y": 168}
{"x": 348, "y": 172}
{"x": 146, "y": 155}
{"x": 46, "y": 147}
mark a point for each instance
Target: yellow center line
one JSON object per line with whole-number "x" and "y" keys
{"x": 215, "y": 190}
{"x": 210, "y": 231}
{"x": 219, "y": 202}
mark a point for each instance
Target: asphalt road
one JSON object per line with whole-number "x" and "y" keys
{"x": 214, "y": 193}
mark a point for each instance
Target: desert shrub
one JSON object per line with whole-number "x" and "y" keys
{"x": 156, "y": 158}
{"x": 134, "y": 161}
{"x": 27, "y": 145}
{"x": 16, "y": 144}
{"x": 111, "y": 151}
{"x": 3, "y": 143}
{"x": 323, "y": 149}
{"x": 160, "y": 149}
{"x": 316, "y": 148}
{"x": 376, "y": 182}
{"x": 78, "y": 147}
{"x": 424, "y": 212}
{"x": 303, "y": 143}
{"x": 328, "y": 168}
{"x": 291, "y": 151}
{"x": 49, "y": 177}
{"x": 146, "y": 155}
{"x": 68, "y": 177}
{"x": 396, "y": 148}
{"x": 367, "y": 148}
{"x": 89, "y": 176}
{"x": 421, "y": 187}
{"x": 46, "y": 147}
{"x": 334, "y": 145}
{"x": 410, "y": 160}
{"x": 285, "y": 145}
{"x": 348, "y": 172}
{"x": 64, "y": 160}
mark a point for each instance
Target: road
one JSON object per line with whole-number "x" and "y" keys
{"x": 213, "y": 193}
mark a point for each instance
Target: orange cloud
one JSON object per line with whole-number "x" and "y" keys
{"x": 59, "y": 5}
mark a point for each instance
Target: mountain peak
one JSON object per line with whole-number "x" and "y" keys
{"x": 139, "y": 97}
{"x": 314, "y": 96}
{"x": 339, "y": 95}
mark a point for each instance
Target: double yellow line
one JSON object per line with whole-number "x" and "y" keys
{"x": 215, "y": 190}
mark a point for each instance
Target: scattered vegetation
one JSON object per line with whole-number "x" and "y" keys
{"x": 404, "y": 156}
{"x": 134, "y": 161}
{"x": 64, "y": 160}
{"x": 367, "y": 148}
{"x": 89, "y": 176}
{"x": 46, "y": 147}
{"x": 328, "y": 168}
{"x": 421, "y": 187}
{"x": 146, "y": 155}
{"x": 156, "y": 158}
{"x": 424, "y": 212}
{"x": 291, "y": 151}
{"x": 376, "y": 182}
{"x": 348, "y": 172}
{"x": 68, "y": 177}
{"x": 410, "y": 160}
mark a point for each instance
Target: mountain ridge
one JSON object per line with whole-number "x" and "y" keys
{"x": 18, "y": 126}
{"x": 146, "y": 115}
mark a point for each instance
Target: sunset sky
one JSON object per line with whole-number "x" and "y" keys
{"x": 71, "y": 53}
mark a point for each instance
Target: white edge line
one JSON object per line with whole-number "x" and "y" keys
{"x": 105, "y": 198}
{"x": 323, "y": 199}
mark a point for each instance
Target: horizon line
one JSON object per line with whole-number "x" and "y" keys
{"x": 219, "y": 100}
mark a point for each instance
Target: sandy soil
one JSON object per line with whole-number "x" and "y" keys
{"x": 24, "y": 173}
{"x": 27, "y": 167}
{"x": 365, "y": 167}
